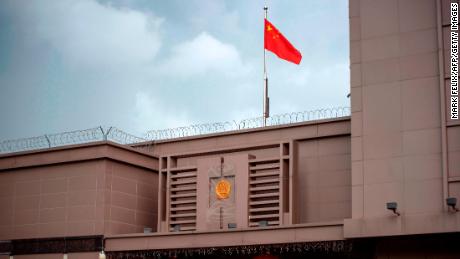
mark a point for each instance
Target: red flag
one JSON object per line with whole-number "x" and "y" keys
{"x": 275, "y": 42}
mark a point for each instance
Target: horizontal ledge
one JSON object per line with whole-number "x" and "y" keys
{"x": 264, "y": 188}
{"x": 275, "y": 208}
{"x": 78, "y": 153}
{"x": 184, "y": 195}
{"x": 454, "y": 179}
{"x": 184, "y": 229}
{"x": 182, "y": 182}
{"x": 270, "y": 173}
{"x": 264, "y": 202}
{"x": 185, "y": 215}
{"x": 193, "y": 201}
{"x": 270, "y": 223}
{"x": 264, "y": 166}
{"x": 179, "y": 189}
{"x": 338, "y": 223}
{"x": 184, "y": 168}
{"x": 264, "y": 159}
{"x": 264, "y": 216}
{"x": 311, "y": 232}
{"x": 273, "y": 180}
{"x": 183, "y": 208}
{"x": 190, "y": 221}
{"x": 264, "y": 195}
{"x": 183, "y": 175}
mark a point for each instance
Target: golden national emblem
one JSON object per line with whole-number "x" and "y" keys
{"x": 223, "y": 189}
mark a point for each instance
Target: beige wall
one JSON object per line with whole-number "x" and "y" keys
{"x": 101, "y": 188}
{"x": 396, "y": 106}
{"x": 59, "y": 200}
{"x": 324, "y": 179}
{"x": 131, "y": 199}
{"x": 66, "y": 193}
{"x": 317, "y": 155}
{"x": 453, "y": 158}
{"x": 397, "y": 126}
{"x": 453, "y": 126}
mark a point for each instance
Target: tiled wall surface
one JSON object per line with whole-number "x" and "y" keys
{"x": 52, "y": 201}
{"x": 396, "y": 108}
{"x": 131, "y": 199}
{"x": 324, "y": 179}
{"x": 89, "y": 197}
{"x": 453, "y": 126}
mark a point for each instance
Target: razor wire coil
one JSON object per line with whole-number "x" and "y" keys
{"x": 121, "y": 137}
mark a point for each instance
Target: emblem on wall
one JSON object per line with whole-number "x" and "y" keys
{"x": 221, "y": 208}
{"x": 223, "y": 189}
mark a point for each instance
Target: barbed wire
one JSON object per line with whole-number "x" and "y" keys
{"x": 75, "y": 137}
{"x": 69, "y": 138}
{"x": 121, "y": 137}
{"x": 275, "y": 120}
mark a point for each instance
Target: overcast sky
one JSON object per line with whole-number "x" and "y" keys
{"x": 142, "y": 64}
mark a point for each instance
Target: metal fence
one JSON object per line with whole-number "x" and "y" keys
{"x": 118, "y": 136}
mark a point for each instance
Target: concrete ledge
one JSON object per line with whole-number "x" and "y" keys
{"x": 248, "y": 236}
{"x": 402, "y": 225}
{"x": 77, "y": 153}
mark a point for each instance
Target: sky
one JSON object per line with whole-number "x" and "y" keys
{"x": 143, "y": 65}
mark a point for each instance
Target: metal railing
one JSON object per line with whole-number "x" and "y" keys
{"x": 118, "y": 136}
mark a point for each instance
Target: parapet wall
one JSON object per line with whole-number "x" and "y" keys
{"x": 81, "y": 190}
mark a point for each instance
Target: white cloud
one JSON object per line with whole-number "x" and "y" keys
{"x": 205, "y": 54}
{"x": 150, "y": 114}
{"x": 87, "y": 33}
{"x": 90, "y": 63}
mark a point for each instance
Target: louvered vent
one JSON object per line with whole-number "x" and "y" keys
{"x": 182, "y": 206}
{"x": 264, "y": 191}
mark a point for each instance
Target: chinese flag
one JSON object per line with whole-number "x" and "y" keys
{"x": 275, "y": 42}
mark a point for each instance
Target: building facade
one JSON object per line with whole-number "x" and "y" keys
{"x": 371, "y": 185}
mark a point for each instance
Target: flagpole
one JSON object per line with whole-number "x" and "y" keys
{"x": 266, "y": 100}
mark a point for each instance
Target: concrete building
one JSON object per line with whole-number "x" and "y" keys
{"x": 373, "y": 185}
